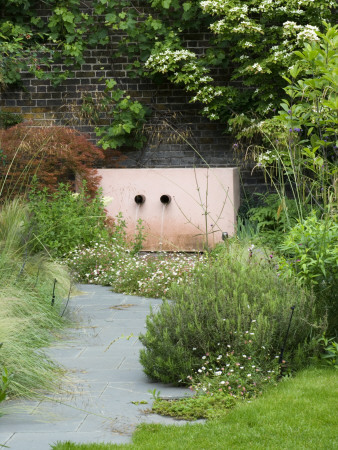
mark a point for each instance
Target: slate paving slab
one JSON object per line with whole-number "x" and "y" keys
{"x": 104, "y": 378}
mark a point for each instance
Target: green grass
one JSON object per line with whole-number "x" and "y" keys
{"x": 301, "y": 413}
{"x": 28, "y": 322}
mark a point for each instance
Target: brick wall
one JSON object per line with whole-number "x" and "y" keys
{"x": 178, "y": 136}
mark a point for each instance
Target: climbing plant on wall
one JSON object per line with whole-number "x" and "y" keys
{"x": 252, "y": 42}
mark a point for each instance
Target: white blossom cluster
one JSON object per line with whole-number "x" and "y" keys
{"x": 257, "y": 67}
{"x": 161, "y": 61}
{"x": 218, "y": 27}
{"x": 267, "y": 5}
{"x": 207, "y": 93}
{"x": 194, "y": 76}
{"x": 216, "y": 6}
{"x": 247, "y": 26}
{"x": 266, "y": 158}
{"x": 309, "y": 33}
{"x": 303, "y": 33}
{"x": 245, "y": 44}
{"x": 281, "y": 53}
{"x": 291, "y": 28}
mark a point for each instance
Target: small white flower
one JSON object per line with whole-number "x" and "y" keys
{"x": 249, "y": 375}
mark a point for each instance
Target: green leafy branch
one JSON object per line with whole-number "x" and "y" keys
{"x": 127, "y": 119}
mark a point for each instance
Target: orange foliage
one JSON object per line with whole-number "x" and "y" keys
{"x": 54, "y": 154}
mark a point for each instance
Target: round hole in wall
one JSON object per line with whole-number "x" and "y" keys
{"x": 139, "y": 199}
{"x": 165, "y": 199}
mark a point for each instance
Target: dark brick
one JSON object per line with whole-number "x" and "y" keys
{"x": 10, "y": 95}
{"x": 85, "y": 67}
{"x": 40, "y": 82}
{"x": 84, "y": 81}
{"x": 72, "y": 88}
{"x": 53, "y": 103}
{"x": 24, "y": 103}
{"x": 41, "y": 96}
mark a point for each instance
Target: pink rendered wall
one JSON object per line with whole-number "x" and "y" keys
{"x": 181, "y": 224}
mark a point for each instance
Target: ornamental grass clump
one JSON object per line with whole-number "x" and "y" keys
{"x": 232, "y": 303}
{"x": 28, "y": 322}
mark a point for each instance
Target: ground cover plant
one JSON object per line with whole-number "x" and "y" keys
{"x": 28, "y": 321}
{"x": 115, "y": 263}
{"x": 300, "y": 413}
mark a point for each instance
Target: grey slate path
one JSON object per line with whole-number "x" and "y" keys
{"x": 104, "y": 377}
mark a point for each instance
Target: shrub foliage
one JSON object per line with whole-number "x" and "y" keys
{"x": 233, "y": 302}
{"x": 62, "y": 220}
{"x": 311, "y": 250}
{"x": 53, "y": 154}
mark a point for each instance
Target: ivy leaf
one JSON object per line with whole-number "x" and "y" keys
{"x": 110, "y": 84}
{"x": 127, "y": 126}
{"x": 166, "y": 4}
{"x": 110, "y": 18}
{"x": 156, "y": 24}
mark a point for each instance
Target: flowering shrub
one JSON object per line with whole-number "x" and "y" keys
{"x": 240, "y": 376}
{"x": 252, "y": 41}
{"x": 239, "y": 294}
{"x": 300, "y": 143}
{"x": 220, "y": 382}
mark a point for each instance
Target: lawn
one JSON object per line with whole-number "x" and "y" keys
{"x": 300, "y": 413}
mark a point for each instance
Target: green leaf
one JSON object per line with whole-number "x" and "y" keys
{"x": 128, "y": 127}
{"x": 110, "y": 83}
{"x": 285, "y": 106}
